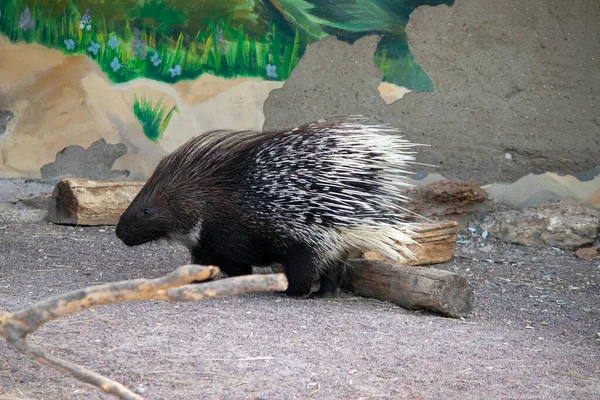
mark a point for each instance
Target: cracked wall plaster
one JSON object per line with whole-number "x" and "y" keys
{"x": 517, "y": 88}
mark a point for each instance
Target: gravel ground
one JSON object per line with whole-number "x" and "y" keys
{"x": 534, "y": 333}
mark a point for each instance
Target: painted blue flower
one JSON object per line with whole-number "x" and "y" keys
{"x": 86, "y": 21}
{"x": 155, "y": 60}
{"x": 26, "y": 21}
{"x": 271, "y": 71}
{"x": 138, "y": 46}
{"x": 175, "y": 71}
{"x": 115, "y": 64}
{"x": 69, "y": 44}
{"x": 113, "y": 43}
{"x": 221, "y": 44}
{"x": 94, "y": 47}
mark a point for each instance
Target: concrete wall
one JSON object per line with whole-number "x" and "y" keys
{"x": 516, "y": 91}
{"x": 517, "y": 87}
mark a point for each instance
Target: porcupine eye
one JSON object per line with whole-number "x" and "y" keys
{"x": 146, "y": 211}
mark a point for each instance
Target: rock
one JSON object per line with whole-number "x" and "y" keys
{"x": 566, "y": 224}
{"x": 587, "y": 253}
{"x": 447, "y": 199}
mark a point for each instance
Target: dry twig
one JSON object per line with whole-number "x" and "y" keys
{"x": 174, "y": 287}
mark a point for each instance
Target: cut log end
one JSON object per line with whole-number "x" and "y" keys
{"x": 411, "y": 287}
{"x": 456, "y": 296}
{"x": 63, "y": 204}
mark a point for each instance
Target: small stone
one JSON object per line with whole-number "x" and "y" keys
{"x": 486, "y": 249}
{"x": 587, "y": 253}
{"x": 140, "y": 389}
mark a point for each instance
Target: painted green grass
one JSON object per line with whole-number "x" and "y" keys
{"x": 151, "y": 117}
{"x": 404, "y": 71}
{"x": 220, "y": 48}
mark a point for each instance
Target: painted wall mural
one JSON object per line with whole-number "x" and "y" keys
{"x": 151, "y": 74}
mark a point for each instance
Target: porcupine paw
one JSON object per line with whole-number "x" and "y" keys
{"x": 325, "y": 293}
{"x": 299, "y": 291}
{"x": 299, "y": 271}
{"x": 299, "y": 284}
{"x": 330, "y": 284}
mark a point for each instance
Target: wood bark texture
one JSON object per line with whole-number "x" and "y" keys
{"x": 411, "y": 287}
{"x": 436, "y": 244}
{"x": 77, "y": 201}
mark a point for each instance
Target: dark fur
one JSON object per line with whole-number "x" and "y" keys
{"x": 195, "y": 184}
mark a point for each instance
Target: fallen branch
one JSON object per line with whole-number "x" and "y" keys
{"x": 174, "y": 287}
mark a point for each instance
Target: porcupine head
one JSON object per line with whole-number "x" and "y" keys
{"x": 165, "y": 207}
{"x": 159, "y": 211}
{"x": 195, "y": 178}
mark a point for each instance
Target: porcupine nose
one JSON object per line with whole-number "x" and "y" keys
{"x": 120, "y": 231}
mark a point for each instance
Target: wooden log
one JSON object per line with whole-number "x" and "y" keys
{"x": 411, "y": 287}
{"x": 437, "y": 243}
{"x": 77, "y": 201}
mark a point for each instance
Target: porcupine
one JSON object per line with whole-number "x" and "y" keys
{"x": 303, "y": 197}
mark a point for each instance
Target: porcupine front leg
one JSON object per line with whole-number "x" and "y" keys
{"x": 232, "y": 268}
{"x": 228, "y": 267}
{"x": 300, "y": 268}
{"x": 200, "y": 257}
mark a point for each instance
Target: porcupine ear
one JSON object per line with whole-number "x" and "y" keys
{"x": 164, "y": 197}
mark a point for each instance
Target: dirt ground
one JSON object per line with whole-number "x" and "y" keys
{"x": 534, "y": 332}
